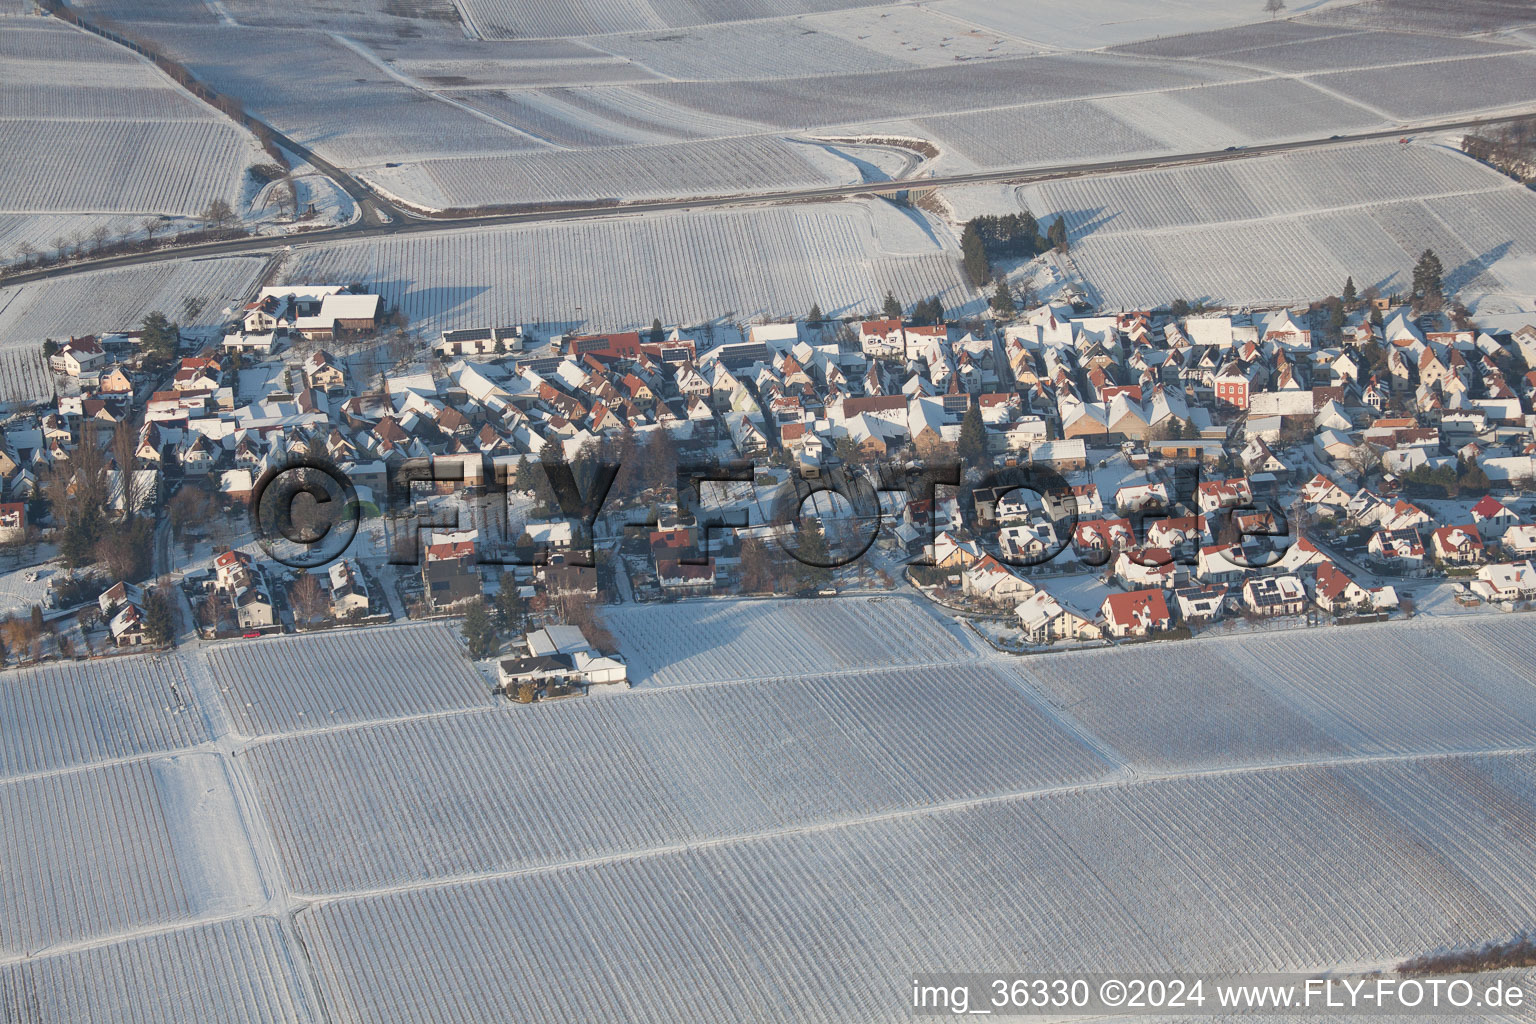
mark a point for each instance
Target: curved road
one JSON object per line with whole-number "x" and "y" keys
{"x": 382, "y": 218}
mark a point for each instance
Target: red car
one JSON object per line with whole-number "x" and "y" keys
{"x": 251, "y": 636}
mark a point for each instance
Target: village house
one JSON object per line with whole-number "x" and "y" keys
{"x": 1336, "y": 593}
{"x": 349, "y": 595}
{"x": 1275, "y": 595}
{"x": 1136, "y": 613}
{"x": 1044, "y": 620}
{"x": 1457, "y": 545}
{"x": 993, "y": 582}
{"x": 1511, "y": 581}
{"x": 1399, "y": 551}
{"x": 448, "y": 570}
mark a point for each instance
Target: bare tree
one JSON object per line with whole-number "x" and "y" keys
{"x": 27, "y": 251}
{"x": 286, "y": 195}
{"x": 125, "y": 447}
{"x": 149, "y": 226}
{"x": 99, "y": 235}
{"x": 1273, "y": 8}
{"x": 309, "y": 598}
{"x": 219, "y": 213}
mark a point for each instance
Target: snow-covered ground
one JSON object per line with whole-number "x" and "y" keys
{"x": 102, "y": 301}
{"x": 693, "y": 267}
{"x": 1289, "y": 228}
{"x": 96, "y": 139}
{"x": 889, "y": 777}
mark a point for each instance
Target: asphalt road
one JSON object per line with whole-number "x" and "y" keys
{"x": 381, "y": 218}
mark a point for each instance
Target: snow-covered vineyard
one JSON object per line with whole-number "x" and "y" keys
{"x": 684, "y": 268}
{"x": 101, "y": 301}
{"x": 297, "y": 683}
{"x": 384, "y": 855}
{"x": 637, "y": 98}
{"x": 95, "y": 137}
{"x": 1278, "y": 229}
{"x": 714, "y": 641}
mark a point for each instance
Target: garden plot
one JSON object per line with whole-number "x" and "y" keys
{"x": 25, "y": 377}
{"x": 1220, "y": 41}
{"x": 172, "y": 167}
{"x": 234, "y": 972}
{"x": 923, "y": 35}
{"x": 329, "y": 96}
{"x": 710, "y": 641}
{"x": 351, "y": 675}
{"x": 644, "y": 115}
{"x": 1466, "y": 17}
{"x": 1271, "y": 110}
{"x": 90, "y": 131}
{"x": 70, "y": 714}
{"x": 411, "y": 802}
{"x": 1280, "y": 870}
{"x": 402, "y": 19}
{"x": 523, "y": 19}
{"x": 100, "y": 301}
{"x": 706, "y": 168}
{"x": 687, "y": 268}
{"x": 108, "y": 850}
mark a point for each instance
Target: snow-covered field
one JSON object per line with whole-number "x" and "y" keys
{"x": 710, "y": 641}
{"x": 1290, "y": 228}
{"x": 102, "y": 301}
{"x": 1197, "y": 874}
{"x": 101, "y": 852}
{"x": 707, "y": 168}
{"x": 641, "y": 98}
{"x": 1304, "y": 694}
{"x": 297, "y": 683}
{"x": 69, "y": 714}
{"x": 240, "y": 971}
{"x": 682, "y": 267}
{"x": 1301, "y": 800}
{"x": 614, "y": 774}
{"x": 95, "y": 138}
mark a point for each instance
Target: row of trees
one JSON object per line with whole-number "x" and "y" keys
{"x": 990, "y": 238}
{"x": 218, "y": 216}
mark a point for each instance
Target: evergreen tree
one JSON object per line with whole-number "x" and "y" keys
{"x": 892, "y": 307}
{"x": 1057, "y": 235}
{"x": 510, "y": 606}
{"x": 159, "y": 337}
{"x": 1349, "y": 296}
{"x": 815, "y": 316}
{"x": 522, "y": 476}
{"x": 1002, "y": 301}
{"x": 1427, "y": 283}
{"x": 544, "y": 497}
{"x": 478, "y": 631}
{"x": 159, "y": 630}
{"x": 973, "y": 438}
{"x": 973, "y": 253}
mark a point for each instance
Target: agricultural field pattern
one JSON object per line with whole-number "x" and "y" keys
{"x": 229, "y": 803}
